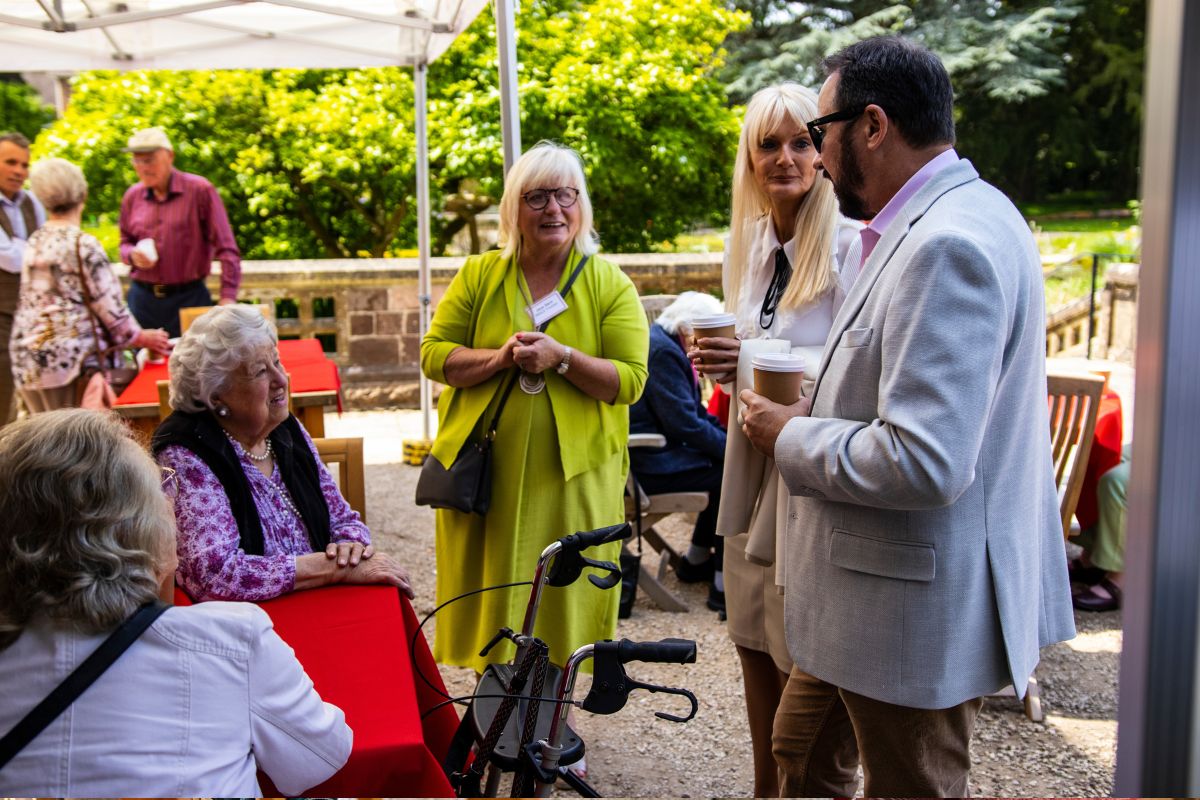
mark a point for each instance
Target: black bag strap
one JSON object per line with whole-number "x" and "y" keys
{"x": 78, "y": 681}
{"x": 491, "y": 432}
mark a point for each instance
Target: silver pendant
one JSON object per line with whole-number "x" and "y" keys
{"x": 531, "y": 383}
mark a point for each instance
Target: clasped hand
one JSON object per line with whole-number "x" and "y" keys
{"x": 763, "y": 420}
{"x": 536, "y": 352}
{"x": 363, "y": 565}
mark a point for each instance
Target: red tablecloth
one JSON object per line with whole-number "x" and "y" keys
{"x": 354, "y": 643}
{"x": 1106, "y": 454}
{"x": 303, "y": 359}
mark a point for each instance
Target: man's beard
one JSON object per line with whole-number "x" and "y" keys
{"x": 848, "y": 189}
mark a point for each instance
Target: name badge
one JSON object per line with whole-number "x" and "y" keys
{"x": 547, "y": 308}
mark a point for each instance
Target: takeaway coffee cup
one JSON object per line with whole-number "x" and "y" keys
{"x": 777, "y": 376}
{"x": 146, "y": 246}
{"x": 715, "y": 326}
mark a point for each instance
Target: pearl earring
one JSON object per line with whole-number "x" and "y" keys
{"x": 222, "y": 411}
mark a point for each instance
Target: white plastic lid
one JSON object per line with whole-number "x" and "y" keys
{"x": 714, "y": 321}
{"x": 778, "y": 362}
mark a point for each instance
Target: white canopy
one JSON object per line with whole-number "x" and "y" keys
{"x": 75, "y": 35}
{"x": 72, "y": 35}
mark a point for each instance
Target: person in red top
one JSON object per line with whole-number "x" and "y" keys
{"x": 173, "y": 224}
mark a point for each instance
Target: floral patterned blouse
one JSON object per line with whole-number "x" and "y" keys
{"x": 52, "y": 339}
{"x": 212, "y": 565}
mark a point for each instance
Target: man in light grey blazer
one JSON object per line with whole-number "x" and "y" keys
{"x": 925, "y": 562}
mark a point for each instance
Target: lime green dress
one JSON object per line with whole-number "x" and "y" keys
{"x": 560, "y": 457}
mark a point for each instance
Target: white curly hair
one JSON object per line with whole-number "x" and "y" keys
{"x": 205, "y": 359}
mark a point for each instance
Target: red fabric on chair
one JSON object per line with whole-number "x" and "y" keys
{"x": 353, "y": 641}
{"x": 1105, "y": 454}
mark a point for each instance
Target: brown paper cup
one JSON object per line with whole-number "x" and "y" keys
{"x": 778, "y": 377}
{"x": 723, "y": 326}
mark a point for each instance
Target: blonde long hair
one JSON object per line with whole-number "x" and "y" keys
{"x": 816, "y": 221}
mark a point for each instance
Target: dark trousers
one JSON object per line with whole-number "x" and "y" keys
{"x": 163, "y": 312}
{"x": 10, "y": 290}
{"x": 705, "y": 479}
{"x": 822, "y": 732}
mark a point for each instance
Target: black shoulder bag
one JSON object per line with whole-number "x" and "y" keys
{"x": 467, "y": 485}
{"x": 78, "y": 681}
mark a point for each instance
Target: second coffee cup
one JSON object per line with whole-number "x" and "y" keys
{"x": 777, "y": 376}
{"x": 714, "y": 326}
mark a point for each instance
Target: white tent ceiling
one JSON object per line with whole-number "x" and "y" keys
{"x": 71, "y": 35}
{"x": 76, "y": 35}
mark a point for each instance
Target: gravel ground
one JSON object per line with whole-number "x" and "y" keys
{"x": 633, "y": 753}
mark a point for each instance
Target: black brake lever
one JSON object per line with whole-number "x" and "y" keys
{"x": 650, "y": 687}
{"x": 567, "y": 568}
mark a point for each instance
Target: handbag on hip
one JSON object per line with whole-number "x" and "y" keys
{"x": 467, "y": 485}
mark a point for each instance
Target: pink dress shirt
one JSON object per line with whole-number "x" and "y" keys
{"x": 190, "y": 228}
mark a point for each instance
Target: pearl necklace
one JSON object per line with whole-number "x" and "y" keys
{"x": 279, "y": 491}
{"x": 243, "y": 451}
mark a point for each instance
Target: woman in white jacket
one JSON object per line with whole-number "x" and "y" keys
{"x": 781, "y": 282}
{"x": 205, "y": 697}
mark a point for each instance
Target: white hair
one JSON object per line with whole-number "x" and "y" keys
{"x": 87, "y": 530}
{"x": 205, "y": 359}
{"x": 58, "y": 184}
{"x": 545, "y": 165}
{"x": 677, "y": 317}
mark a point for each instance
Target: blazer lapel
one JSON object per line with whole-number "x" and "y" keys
{"x": 948, "y": 179}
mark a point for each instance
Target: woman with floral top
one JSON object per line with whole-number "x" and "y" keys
{"x": 69, "y": 297}
{"x": 258, "y": 513}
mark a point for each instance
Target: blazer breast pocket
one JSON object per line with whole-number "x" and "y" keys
{"x": 856, "y": 337}
{"x": 909, "y": 561}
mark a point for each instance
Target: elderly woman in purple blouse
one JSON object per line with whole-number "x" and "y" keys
{"x": 257, "y": 511}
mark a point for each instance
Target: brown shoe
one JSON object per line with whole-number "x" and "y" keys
{"x": 1091, "y": 600}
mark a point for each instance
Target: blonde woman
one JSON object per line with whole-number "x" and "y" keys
{"x": 781, "y": 282}
{"x": 560, "y": 448}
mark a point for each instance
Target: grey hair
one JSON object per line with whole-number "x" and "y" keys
{"x": 58, "y": 184}
{"x": 86, "y": 526}
{"x": 205, "y": 359}
{"x": 545, "y": 165}
{"x": 678, "y": 316}
{"x": 16, "y": 138}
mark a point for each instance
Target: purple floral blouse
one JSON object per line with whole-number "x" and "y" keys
{"x": 212, "y": 566}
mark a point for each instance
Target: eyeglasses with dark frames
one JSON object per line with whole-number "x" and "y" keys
{"x": 538, "y": 199}
{"x": 816, "y": 128}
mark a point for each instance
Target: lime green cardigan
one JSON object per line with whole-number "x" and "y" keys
{"x": 604, "y": 319}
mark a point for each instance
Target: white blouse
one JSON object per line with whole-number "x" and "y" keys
{"x": 807, "y": 326}
{"x": 208, "y": 695}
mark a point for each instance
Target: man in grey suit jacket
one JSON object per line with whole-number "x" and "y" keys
{"x": 925, "y": 562}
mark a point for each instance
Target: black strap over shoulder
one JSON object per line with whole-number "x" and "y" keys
{"x": 78, "y": 681}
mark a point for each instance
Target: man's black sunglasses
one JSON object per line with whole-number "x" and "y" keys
{"x": 816, "y": 129}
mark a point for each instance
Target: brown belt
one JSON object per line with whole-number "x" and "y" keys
{"x": 161, "y": 290}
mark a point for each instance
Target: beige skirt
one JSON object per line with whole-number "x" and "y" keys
{"x": 754, "y": 604}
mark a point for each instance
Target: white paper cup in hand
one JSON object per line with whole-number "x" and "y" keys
{"x": 149, "y": 250}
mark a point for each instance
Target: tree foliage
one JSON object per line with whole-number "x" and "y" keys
{"x": 21, "y": 109}
{"x": 322, "y": 163}
{"x": 1048, "y": 97}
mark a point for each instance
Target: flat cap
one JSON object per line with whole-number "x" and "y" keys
{"x": 149, "y": 140}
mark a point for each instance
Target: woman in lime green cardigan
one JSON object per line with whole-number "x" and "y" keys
{"x": 560, "y": 457}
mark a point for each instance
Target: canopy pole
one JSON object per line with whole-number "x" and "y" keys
{"x": 506, "y": 57}
{"x": 423, "y": 211}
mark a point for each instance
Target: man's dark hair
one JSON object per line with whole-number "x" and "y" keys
{"x": 903, "y": 78}
{"x": 16, "y": 138}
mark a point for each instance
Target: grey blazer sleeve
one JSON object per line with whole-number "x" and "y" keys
{"x": 915, "y": 380}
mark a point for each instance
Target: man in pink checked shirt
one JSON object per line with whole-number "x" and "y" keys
{"x": 173, "y": 224}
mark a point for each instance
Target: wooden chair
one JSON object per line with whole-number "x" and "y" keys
{"x": 653, "y": 509}
{"x": 346, "y": 455}
{"x": 653, "y": 304}
{"x": 188, "y": 315}
{"x": 1074, "y": 403}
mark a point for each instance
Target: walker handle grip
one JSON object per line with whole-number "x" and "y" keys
{"x": 585, "y": 539}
